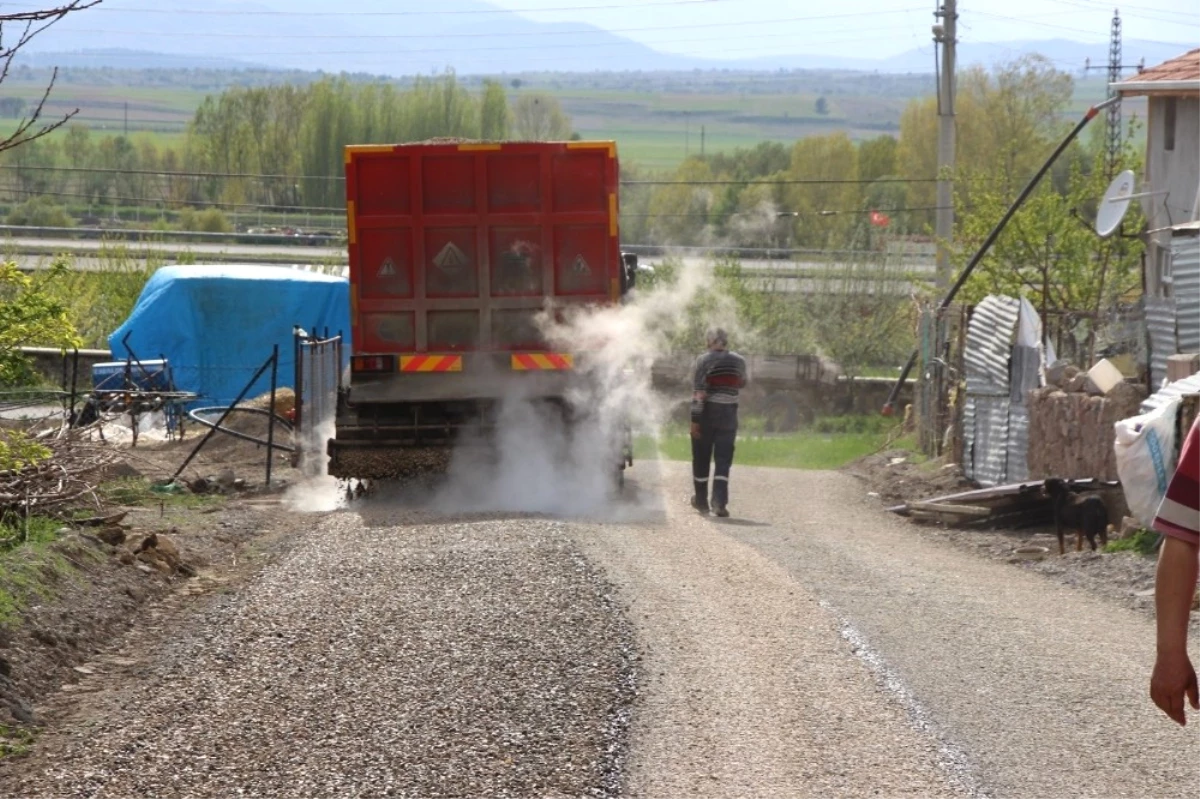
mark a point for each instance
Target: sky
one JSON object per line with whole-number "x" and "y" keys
{"x": 870, "y": 28}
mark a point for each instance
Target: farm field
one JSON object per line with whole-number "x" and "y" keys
{"x": 657, "y": 119}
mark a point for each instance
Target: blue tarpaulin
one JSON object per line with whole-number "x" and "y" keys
{"x": 216, "y": 325}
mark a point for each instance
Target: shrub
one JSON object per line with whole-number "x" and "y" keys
{"x": 1144, "y": 542}
{"x": 40, "y": 212}
{"x": 211, "y": 220}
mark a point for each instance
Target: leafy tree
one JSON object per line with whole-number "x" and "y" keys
{"x": 29, "y": 316}
{"x": 679, "y": 211}
{"x": 1049, "y": 251}
{"x": 494, "y": 115}
{"x": 877, "y": 157}
{"x": 824, "y": 211}
{"x": 821, "y": 106}
{"x": 858, "y": 324}
{"x": 539, "y": 117}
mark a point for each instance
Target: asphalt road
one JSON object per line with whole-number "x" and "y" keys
{"x": 811, "y": 645}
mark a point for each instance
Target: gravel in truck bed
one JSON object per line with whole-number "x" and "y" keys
{"x": 397, "y": 656}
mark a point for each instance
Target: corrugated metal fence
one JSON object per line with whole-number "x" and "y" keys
{"x": 318, "y": 378}
{"x": 1002, "y": 363}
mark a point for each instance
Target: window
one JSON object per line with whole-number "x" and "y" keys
{"x": 1169, "y": 124}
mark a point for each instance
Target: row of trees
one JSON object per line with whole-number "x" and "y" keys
{"x": 831, "y": 193}
{"x": 293, "y": 134}
{"x": 826, "y": 186}
{"x": 281, "y": 146}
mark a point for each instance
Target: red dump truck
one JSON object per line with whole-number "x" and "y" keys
{"x": 455, "y": 249}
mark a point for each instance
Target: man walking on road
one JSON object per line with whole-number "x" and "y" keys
{"x": 719, "y": 375}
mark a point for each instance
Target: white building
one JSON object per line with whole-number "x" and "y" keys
{"x": 1172, "y": 90}
{"x": 1172, "y": 204}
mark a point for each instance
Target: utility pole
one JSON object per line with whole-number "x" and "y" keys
{"x": 945, "y": 34}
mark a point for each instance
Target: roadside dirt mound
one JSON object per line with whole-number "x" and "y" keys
{"x": 899, "y": 475}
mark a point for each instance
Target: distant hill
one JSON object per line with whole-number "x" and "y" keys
{"x": 285, "y": 34}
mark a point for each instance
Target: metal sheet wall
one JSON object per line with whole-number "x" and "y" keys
{"x": 1188, "y": 385}
{"x": 968, "y": 436}
{"x": 1017, "y": 467}
{"x": 1185, "y": 276}
{"x": 991, "y": 440}
{"x": 1160, "y": 324}
{"x": 996, "y": 440}
{"x": 1186, "y": 265}
{"x": 989, "y": 345}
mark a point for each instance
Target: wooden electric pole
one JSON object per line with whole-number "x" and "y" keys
{"x": 945, "y": 34}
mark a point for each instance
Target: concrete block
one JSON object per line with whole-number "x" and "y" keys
{"x": 1181, "y": 366}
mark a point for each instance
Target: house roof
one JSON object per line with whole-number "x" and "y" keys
{"x": 1179, "y": 75}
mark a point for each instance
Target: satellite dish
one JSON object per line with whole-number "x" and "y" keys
{"x": 1114, "y": 204}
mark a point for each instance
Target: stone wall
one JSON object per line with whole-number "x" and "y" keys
{"x": 49, "y": 363}
{"x": 1071, "y": 432}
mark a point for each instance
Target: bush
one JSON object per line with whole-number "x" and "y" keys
{"x": 18, "y": 451}
{"x": 210, "y": 220}
{"x": 1144, "y": 542}
{"x": 867, "y": 423}
{"x": 40, "y": 212}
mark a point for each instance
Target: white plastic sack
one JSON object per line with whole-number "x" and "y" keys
{"x": 1145, "y": 448}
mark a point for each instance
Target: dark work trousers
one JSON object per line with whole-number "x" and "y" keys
{"x": 718, "y": 431}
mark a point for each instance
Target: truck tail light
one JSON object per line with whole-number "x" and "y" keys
{"x": 372, "y": 364}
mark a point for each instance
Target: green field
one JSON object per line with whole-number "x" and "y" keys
{"x": 657, "y": 119}
{"x": 831, "y": 443}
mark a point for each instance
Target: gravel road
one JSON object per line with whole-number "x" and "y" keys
{"x": 810, "y": 646}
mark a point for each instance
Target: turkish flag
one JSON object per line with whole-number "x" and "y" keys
{"x": 880, "y": 219}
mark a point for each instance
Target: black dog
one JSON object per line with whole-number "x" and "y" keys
{"x": 1085, "y": 515}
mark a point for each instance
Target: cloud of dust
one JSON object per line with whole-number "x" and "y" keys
{"x": 540, "y": 463}
{"x": 317, "y": 490}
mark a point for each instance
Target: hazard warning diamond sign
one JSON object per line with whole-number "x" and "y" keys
{"x": 451, "y": 258}
{"x": 580, "y": 266}
{"x": 387, "y": 268}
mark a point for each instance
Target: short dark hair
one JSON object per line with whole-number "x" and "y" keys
{"x": 717, "y": 335}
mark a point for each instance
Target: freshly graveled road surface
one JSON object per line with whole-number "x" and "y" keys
{"x": 810, "y": 646}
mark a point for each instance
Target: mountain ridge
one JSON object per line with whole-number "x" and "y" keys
{"x": 383, "y": 38}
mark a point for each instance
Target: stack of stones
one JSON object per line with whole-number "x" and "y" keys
{"x": 1071, "y": 424}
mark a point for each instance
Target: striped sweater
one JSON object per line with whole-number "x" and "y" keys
{"x": 718, "y": 377}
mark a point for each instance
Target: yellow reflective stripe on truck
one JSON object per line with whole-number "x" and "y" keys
{"x": 542, "y": 361}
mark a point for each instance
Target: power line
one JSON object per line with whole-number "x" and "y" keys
{"x": 166, "y": 173}
{"x": 564, "y": 46}
{"x": 1031, "y": 21}
{"x": 769, "y": 182}
{"x": 799, "y": 214}
{"x": 339, "y": 178}
{"x": 427, "y": 12}
{"x": 593, "y": 31}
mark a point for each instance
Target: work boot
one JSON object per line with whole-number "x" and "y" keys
{"x": 721, "y": 511}
{"x": 700, "y": 504}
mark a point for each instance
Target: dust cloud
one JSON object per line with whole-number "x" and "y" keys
{"x": 539, "y": 462}
{"x": 317, "y": 490}
{"x": 538, "y": 457}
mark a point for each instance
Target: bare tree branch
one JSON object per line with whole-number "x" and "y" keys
{"x": 31, "y": 23}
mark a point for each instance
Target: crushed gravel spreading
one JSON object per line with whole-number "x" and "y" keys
{"x": 469, "y": 658}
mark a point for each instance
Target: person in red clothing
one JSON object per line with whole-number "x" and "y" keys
{"x": 1178, "y": 519}
{"x": 718, "y": 377}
